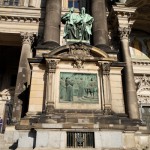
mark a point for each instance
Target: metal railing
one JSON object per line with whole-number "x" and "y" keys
{"x": 80, "y": 140}
{"x": 11, "y": 2}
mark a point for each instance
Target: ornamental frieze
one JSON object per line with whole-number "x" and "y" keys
{"x": 19, "y": 19}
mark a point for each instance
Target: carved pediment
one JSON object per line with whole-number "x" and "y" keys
{"x": 80, "y": 51}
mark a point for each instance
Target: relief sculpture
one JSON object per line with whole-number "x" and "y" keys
{"x": 78, "y": 87}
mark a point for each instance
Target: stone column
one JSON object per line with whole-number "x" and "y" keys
{"x": 130, "y": 91}
{"x": 105, "y": 67}
{"x": 51, "y": 69}
{"x": 52, "y": 23}
{"x": 23, "y": 77}
{"x": 100, "y": 31}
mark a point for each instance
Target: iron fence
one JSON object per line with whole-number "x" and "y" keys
{"x": 80, "y": 140}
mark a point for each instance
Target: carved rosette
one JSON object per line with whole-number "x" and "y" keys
{"x": 27, "y": 38}
{"x": 124, "y": 32}
{"x": 51, "y": 65}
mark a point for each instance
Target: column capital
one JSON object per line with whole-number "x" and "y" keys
{"x": 27, "y": 38}
{"x": 51, "y": 65}
{"x": 124, "y": 32}
{"x": 105, "y": 66}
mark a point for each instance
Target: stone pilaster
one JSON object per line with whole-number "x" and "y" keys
{"x": 100, "y": 31}
{"x": 130, "y": 91}
{"x": 23, "y": 77}
{"x": 51, "y": 65}
{"x": 105, "y": 67}
{"x": 52, "y": 23}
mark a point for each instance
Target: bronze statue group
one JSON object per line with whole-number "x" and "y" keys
{"x": 77, "y": 26}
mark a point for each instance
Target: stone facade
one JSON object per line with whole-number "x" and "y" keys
{"x": 60, "y": 95}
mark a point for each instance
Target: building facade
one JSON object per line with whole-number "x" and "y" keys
{"x": 56, "y": 94}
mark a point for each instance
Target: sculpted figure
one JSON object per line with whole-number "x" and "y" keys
{"x": 77, "y": 26}
{"x": 86, "y": 25}
{"x": 69, "y": 89}
{"x": 69, "y": 19}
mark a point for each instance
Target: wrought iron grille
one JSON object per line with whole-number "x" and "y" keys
{"x": 11, "y": 2}
{"x": 80, "y": 140}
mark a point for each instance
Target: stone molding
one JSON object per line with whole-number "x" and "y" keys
{"x": 121, "y": 13}
{"x": 27, "y": 38}
{"x": 141, "y": 63}
{"x": 19, "y": 19}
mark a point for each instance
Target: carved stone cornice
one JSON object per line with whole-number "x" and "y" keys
{"x": 51, "y": 65}
{"x": 124, "y": 13}
{"x": 124, "y": 32}
{"x": 19, "y": 19}
{"x": 141, "y": 63}
{"x": 27, "y": 38}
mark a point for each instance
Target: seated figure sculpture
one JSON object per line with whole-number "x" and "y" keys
{"x": 77, "y": 26}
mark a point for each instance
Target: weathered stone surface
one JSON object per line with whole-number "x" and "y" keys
{"x": 51, "y": 139}
{"x": 108, "y": 139}
{"x": 26, "y": 139}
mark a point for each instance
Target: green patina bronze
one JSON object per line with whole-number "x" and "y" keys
{"x": 77, "y": 26}
{"x": 78, "y": 87}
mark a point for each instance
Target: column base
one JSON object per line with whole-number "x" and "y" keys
{"x": 50, "y": 45}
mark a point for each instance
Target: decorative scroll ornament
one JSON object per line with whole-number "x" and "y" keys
{"x": 51, "y": 65}
{"x": 27, "y": 38}
{"x": 143, "y": 88}
{"x": 79, "y": 52}
{"x": 124, "y": 32}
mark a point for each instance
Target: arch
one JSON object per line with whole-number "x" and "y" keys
{"x": 93, "y": 50}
